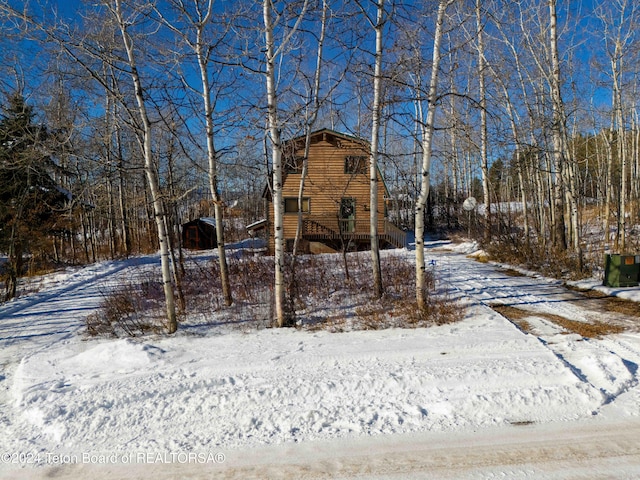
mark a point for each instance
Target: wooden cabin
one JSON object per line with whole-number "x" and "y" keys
{"x": 199, "y": 234}
{"x": 336, "y": 200}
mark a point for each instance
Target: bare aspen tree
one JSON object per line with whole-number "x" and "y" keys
{"x": 518, "y": 154}
{"x": 509, "y": 99}
{"x": 533, "y": 86}
{"x": 378, "y": 288}
{"x": 87, "y": 56}
{"x": 426, "y": 133}
{"x": 149, "y": 166}
{"x": 618, "y": 19}
{"x": 311, "y": 117}
{"x": 272, "y": 53}
{"x": 198, "y": 21}
{"x": 557, "y": 132}
{"x": 484, "y": 156}
{"x": 619, "y": 128}
{"x": 527, "y": 159}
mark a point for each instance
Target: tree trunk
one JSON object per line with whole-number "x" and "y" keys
{"x": 426, "y": 127}
{"x": 559, "y": 237}
{"x": 276, "y": 159}
{"x": 126, "y": 234}
{"x": 311, "y": 119}
{"x": 378, "y": 288}
{"x": 212, "y": 156}
{"x": 283, "y": 317}
{"x": 151, "y": 173}
{"x": 484, "y": 158}
{"x": 621, "y": 149}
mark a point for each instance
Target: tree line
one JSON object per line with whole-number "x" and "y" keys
{"x": 121, "y": 118}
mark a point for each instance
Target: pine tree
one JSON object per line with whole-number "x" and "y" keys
{"x": 30, "y": 201}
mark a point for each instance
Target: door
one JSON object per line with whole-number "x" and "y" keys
{"x": 192, "y": 237}
{"x": 347, "y": 215}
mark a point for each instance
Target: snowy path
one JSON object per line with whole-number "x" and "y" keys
{"x": 609, "y": 365}
{"x": 53, "y": 315}
{"x": 476, "y": 399}
{"x": 58, "y": 311}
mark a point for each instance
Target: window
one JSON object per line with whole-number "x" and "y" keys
{"x": 291, "y": 205}
{"x": 356, "y": 164}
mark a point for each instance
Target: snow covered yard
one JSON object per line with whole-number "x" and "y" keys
{"x": 473, "y": 399}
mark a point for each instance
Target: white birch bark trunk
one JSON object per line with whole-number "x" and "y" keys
{"x": 151, "y": 172}
{"x": 608, "y": 142}
{"x": 212, "y": 155}
{"x": 518, "y": 154}
{"x": 426, "y": 127}
{"x": 484, "y": 160}
{"x": 559, "y": 237}
{"x": 621, "y": 147}
{"x": 315, "y": 102}
{"x": 276, "y": 159}
{"x": 373, "y": 163}
{"x": 279, "y": 288}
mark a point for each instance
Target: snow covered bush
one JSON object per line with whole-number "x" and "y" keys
{"x": 130, "y": 310}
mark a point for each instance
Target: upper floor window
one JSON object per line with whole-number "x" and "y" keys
{"x": 356, "y": 164}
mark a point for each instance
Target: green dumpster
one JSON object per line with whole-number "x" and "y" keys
{"x": 621, "y": 270}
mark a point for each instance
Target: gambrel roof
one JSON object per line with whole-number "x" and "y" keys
{"x": 328, "y": 135}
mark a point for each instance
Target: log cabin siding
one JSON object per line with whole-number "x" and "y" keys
{"x": 327, "y": 184}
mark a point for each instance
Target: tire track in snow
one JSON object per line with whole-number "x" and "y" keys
{"x": 606, "y": 365}
{"x": 65, "y": 305}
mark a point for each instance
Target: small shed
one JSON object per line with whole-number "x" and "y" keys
{"x": 199, "y": 234}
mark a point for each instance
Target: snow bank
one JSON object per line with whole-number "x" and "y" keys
{"x": 192, "y": 393}
{"x": 212, "y": 389}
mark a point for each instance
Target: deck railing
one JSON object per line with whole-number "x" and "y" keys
{"x": 397, "y": 237}
{"x": 334, "y": 228}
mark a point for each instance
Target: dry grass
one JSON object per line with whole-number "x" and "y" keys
{"x": 130, "y": 310}
{"x": 512, "y": 249}
{"x": 510, "y": 272}
{"x": 586, "y": 330}
{"x": 612, "y": 304}
{"x": 515, "y": 315}
{"x": 319, "y": 296}
{"x": 396, "y": 313}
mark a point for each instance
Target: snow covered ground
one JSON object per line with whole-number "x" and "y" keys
{"x": 475, "y": 399}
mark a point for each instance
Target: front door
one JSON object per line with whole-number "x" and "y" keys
{"x": 347, "y": 215}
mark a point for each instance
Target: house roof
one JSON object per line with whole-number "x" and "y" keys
{"x": 208, "y": 220}
{"x": 257, "y": 225}
{"x": 328, "y": 131}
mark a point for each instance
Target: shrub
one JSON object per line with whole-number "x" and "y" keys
{"x": 125, "y": 311}
{"x": 515, "y": 250}
{"x": 319, "y": 295}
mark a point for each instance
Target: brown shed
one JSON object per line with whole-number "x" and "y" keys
{"x": 199, "y": 234}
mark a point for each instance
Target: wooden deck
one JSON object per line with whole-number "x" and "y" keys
{"x": 337, "y": 232}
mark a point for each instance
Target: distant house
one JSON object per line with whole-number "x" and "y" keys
{"x": 335, "y": 205}
{"x": 199, "y": 234}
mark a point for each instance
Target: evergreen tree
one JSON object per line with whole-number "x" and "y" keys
{"x": 30, "y": 201}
